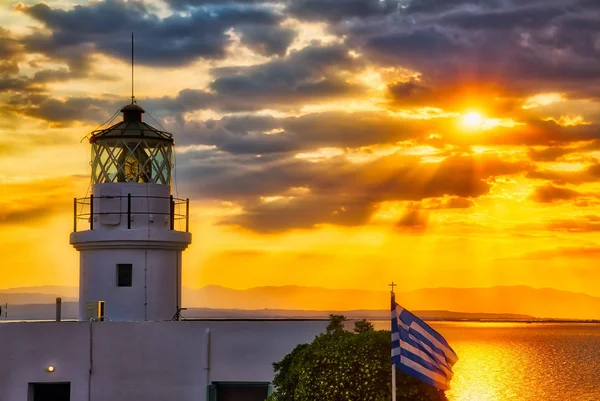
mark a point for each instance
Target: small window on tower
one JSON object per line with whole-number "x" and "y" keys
{"x": 124, "y": 274}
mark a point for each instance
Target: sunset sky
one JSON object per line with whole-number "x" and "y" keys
{"x": 334, "y": 143}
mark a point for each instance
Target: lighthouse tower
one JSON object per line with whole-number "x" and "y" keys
{"x": 131, "y": 231}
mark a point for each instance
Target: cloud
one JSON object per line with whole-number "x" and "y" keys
{"x": 334, "y": 190}
{"x": 414, "y": 218}
{"x": 554, "y": 153}
{"x": 335, "y": 11}
{"x": 450, "y": 203}
{"x": 548, "y": 154}
{"x": 306, "y": 75}
{"x": 315, "y": 73}
{"x": 264, "y": 134}
{"x": 190, "y": 4}
{"x": 550, "y": 193}
{"x": 64, "y": 112}
{"x": 304, "y": 213}
{"x": 520, "y": 48}
{"x": 561, "y": 252}
{"x": 36, "y": 200}
{"x": 170, "y": 41}
{"x": 588, "y": 174}
{"x": 11, "y": 51}
{"x": 574, "y": 225}
{"x": 22, "y": 143}
{"x": 265, "y": 39}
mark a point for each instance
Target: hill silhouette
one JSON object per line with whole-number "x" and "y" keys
{"x": 521, "y": 300}
{"x": 514, "y": 300}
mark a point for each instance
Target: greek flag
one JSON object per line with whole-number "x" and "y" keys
{"x": 420, "y": 351}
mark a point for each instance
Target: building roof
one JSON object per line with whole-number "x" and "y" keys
{"x": 132, "y": 126}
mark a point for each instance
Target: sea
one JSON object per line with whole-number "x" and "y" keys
{"x": 522, "y": 361}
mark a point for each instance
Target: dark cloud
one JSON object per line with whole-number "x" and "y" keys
{"x": 332, "y": 191}
{"x": 30, "y": 202}
{"x": 531, "y": 132}
{"x": 171, "y": 41}
{"x": 311, "y": 74}
{"x": 549, "y": 154}
{"x": 265, "y": 39}
{"x": 303, "y": 213}
{"x": 574, "y": 225}
{"x": 24, "y": 216}
{"x": 11, "y": 51}
{"x": 251, "y": 135}
{"x": 550, "y": 193}
{"x": 18, "y": 84}
{"x": 521, "y": 47}
{"x": 555, "y": 153}
{"x": 414, "y": 218}
{"x": 64, "y": 112}
{"x": 437, "y": 7}
{"x": 588, "y": 174}
{"x": 451, "y": 203}
{"x": 528, "y": 17}
{"x": 339, "y": 10}
{"x": 189, "y": 4}
{"x": 305, "y": 75}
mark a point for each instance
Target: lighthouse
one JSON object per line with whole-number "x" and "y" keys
{"x": 131, "y": 231}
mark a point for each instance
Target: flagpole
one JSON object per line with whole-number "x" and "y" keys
{"x": 393, "y": 382}
{"x": 393, "y": 364}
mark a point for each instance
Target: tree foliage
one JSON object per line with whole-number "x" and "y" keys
{"x": 363, "y": 325}
{"x": 345, "y": 366}
{"x": 336, "y": 324}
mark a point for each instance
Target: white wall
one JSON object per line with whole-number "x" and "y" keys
{"x": 148, "y": 361}
{"x": 156, "y": 282}
{"x": 150, "y": 246}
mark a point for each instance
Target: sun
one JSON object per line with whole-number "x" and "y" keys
{"x": 472, "y": 119}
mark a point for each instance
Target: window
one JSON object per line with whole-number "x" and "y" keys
{"x": 124, "y": 274}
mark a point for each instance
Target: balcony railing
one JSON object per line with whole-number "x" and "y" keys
{"x": 88, "y": 208}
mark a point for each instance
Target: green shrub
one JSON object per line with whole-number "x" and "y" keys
{"x": 349, "y": 366}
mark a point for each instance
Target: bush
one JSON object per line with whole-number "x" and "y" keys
{"x": 341, "y": 365}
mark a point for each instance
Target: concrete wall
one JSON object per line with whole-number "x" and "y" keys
{"x": 150, "y": 246}
{"x": 155, "y": 293}
{"x": 148, "y": 361}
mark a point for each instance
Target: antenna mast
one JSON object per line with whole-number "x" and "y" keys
{"x": 132, "y": 96}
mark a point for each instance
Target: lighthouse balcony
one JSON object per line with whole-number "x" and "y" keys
{"x": 130, "y": 211}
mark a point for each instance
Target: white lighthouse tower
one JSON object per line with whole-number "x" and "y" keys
{"x": 135, "y": 230}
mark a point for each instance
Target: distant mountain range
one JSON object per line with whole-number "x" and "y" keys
{"x": 513, "y": 300}
{"x": 521, "y": 300}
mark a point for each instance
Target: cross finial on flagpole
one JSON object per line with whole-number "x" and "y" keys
{"x": 393, "y": 285}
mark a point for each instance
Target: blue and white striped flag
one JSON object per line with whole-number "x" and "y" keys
{"x": 420, "y": 351}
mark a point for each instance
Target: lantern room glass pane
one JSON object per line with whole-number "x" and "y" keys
{"x": 140, "y": 160}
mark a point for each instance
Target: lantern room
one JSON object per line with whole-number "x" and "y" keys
{"x": 131, "y": 151}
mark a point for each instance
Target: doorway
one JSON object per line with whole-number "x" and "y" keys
{"x": 236, "y": 391}
{"x": 50, "y": 391}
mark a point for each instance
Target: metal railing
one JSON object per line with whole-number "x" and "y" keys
{"x": 85, "y": 209}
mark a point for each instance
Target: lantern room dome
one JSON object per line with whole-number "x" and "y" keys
{"x": 131, "y": 127}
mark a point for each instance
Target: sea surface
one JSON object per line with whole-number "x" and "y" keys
{"x": 521, "y": 361}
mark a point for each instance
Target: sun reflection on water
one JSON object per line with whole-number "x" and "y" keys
{"x": 522, "y": 362}
{"x": 485, "y": 372}
{"x": 517, "y": 361}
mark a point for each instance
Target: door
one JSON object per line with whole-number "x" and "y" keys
{"x": 236, "y": 391}
{"x": 50, "y": 391}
